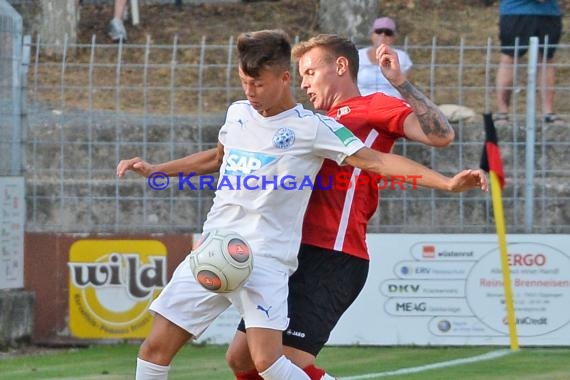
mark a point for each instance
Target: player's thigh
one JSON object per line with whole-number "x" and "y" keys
{"x": 265, "y": 346}
{"x": 325, "y": 284}
{"x": 163, "y": 342}
{"x": 185, "y": 303}
{"x": 237, "y": 355}
{"x": 262, "y": 301}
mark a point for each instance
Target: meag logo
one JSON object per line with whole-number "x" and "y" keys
{"x": 111, "y": 285}
{"x": 241, "y": 162}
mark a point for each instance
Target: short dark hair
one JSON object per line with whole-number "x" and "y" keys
{"x": 264, "y": 49}
{"x": 335, "y": 46}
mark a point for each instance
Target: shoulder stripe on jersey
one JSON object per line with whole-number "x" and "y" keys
{"x": 347, "y": 206}
{"x": 326, "y": 120}
{"x": 305, "y": 113}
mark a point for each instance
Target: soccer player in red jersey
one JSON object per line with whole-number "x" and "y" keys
{"x": 333, "y": 258}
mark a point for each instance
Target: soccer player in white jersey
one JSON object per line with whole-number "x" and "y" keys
{"x": 270, "y": 136}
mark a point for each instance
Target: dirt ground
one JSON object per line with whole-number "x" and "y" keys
{"x": 420, "y": 20}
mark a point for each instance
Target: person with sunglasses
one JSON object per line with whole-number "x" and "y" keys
{"x": 370, "y": 78}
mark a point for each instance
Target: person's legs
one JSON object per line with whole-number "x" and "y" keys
{"x": 546, "y": 82}
{"x": 239, "y": 359}
{"x": 549, "y": 30}
{"x": 163, "y": 342}
{"x": 119, "y": 10}
{"x": 504, "y": 82}
{"x": 335, "y": 280}
{"x": 159, "y": 348}
{"x": 266, "y": 349}
{"x": 307, "y": 362}
{"x": 182, "y": 310}
{"x": 262, "y": 301}
{"x": 117, "y": 30}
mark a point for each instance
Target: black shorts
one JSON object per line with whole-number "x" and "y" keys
{"x": 526, "y": 26}
{"x": 326, "y": 283}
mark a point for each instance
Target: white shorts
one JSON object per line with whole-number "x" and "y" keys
{"x": 261, "y": 301}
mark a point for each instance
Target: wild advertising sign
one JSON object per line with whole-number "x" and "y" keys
{"x": 111, "y": 285}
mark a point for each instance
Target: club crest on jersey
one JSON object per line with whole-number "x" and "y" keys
{"x": 342, "y": 111}
{"x": 241, "y": 162}
{"x": 283, "y": 138}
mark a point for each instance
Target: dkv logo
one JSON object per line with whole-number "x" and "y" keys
{"x": 240, "y": 162}
{"x": 111, "y": 285}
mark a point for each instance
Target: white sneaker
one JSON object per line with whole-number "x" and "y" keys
{"x": 326, "y": 376}
{"x": 117, "y": 31}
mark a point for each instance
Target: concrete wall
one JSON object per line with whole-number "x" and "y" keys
{"x": 16, "y": 317}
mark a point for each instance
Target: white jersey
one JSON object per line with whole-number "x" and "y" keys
{"x": 370, "y": 77}
{"x": 266, "y": 175}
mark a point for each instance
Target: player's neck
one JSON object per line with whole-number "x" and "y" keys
{"x": 351, "y": 91}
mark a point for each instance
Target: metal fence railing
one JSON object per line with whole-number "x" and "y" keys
{"x": 90, "y": 108}
{"x": 10, "y": 90}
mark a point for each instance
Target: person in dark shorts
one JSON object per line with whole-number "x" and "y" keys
{"x": 523, "y": 19}
{"x": 293, "y": 142}
{"x": 333, "y": 257}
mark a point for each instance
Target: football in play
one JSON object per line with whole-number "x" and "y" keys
{"x": 221, "y": 261}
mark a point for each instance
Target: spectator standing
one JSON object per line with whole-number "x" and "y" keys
{"x": 370, "y": 77}
{"x": 523, "y": 19}
{"x": 117, "y": 30}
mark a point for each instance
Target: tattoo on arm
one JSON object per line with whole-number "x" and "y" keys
{"x": 432, "y": 120}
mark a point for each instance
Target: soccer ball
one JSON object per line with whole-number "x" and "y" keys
{"x": 221, "y": 261}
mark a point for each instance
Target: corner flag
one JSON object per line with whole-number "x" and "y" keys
{"x": 491, "y": 157}
{"x": 492, "y": 163}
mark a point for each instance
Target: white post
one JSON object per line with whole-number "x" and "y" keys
{"x": 530, "y": 132}
{"x": 135, "y": 12}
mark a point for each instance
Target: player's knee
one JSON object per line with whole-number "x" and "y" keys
{"x": 233, "y": 361}
{"x": 151, "y": 351}
{"x": 263, "y": 362}
{"x": 239, "y": 361}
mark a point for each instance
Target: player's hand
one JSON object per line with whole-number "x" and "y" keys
{"x": 469, "y": 179}
{"x": 137, "y": 165}
{"x": 390, "y": 65}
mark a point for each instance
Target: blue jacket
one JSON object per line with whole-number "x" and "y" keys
{"x": 530, "y": 7}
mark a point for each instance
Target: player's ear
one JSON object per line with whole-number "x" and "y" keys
{"x": 341, "y": 66}
{"x": 286, "y": 76}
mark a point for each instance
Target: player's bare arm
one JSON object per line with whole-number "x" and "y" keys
{"x": 427, "y": 124}
{"x": 201, "y": 163}
{"x": 392, "y": 165}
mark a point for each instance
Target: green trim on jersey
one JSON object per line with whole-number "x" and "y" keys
{"x": 345, "y": 135}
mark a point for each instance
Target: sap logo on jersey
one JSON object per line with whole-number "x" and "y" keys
{"x": 241, "y": 162}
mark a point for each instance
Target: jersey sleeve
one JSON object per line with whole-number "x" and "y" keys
{"x": 230, "y": 115}
{"x": 387, "y": 114}
{"x": 334, "y": 141}
{"x": 222, "y": 134}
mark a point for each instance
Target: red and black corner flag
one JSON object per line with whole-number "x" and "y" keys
{"x": 491, "y": 158}
{"x": 491, "y": 162}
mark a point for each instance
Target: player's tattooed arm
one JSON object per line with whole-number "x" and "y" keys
{"x": 431, "y": 120}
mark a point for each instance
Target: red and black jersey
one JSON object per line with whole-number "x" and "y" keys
{"x": 336, "y": 217}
